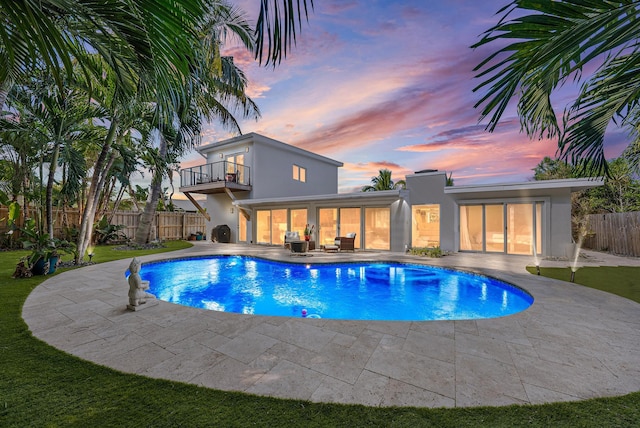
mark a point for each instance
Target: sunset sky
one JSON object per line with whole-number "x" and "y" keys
{"x": 388, "y": 84}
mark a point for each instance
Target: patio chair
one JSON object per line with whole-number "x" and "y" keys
{"x": 290, "y": 237}
{"x": 347, "y": 243}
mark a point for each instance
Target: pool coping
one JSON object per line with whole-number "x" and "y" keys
{"x": 573, "y": 343}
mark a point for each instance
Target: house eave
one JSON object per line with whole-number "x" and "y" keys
{"x": 533, "y": 188}
{"x": 381, "y": 196}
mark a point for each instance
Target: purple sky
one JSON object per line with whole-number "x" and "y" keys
{"x": 388, "y": 84}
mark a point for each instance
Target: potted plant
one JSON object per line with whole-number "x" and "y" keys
{"x": 308, "y": 231}
{"x": 45, "y": 251}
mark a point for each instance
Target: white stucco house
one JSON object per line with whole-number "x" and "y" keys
{"x": 260, "y": 188}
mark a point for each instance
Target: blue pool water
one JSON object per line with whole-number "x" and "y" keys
{"x": 353, "y": 291}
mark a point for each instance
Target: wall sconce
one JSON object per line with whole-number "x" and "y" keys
{"x": 221, "y": 155}
{"x": 246, "y": 150}
{"x": 231, "y": 210}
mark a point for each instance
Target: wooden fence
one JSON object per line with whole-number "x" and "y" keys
{"x": 617, "y": 233}
{"x": 167, "y": 225}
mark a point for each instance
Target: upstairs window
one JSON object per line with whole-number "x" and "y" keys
{"x": 299, "y": 173}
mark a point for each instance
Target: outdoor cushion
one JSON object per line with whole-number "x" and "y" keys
{"x": 291, "y": 236}
{"x": 350, "y": 235}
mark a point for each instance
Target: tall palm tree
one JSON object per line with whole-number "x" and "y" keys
{"x": 59, "y": 117}
{"x": 278, "y": 23}
{"x": 383, "y": 182}
{"x": 218, "y": 92}
{"x": 540, "y": 46}
{"x": 53, "y": 31}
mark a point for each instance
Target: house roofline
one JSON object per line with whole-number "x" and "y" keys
{"x": 254, "y": 137}
{"x": 573, "y": 184}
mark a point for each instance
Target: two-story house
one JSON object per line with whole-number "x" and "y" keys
{"x": 260, "y": 188}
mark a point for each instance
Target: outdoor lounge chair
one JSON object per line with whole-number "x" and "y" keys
{"x": 347, "y": 243}
{"x": 332, "y": 248}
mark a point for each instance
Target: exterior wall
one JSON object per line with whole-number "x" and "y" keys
{"x": 559, "y": 221}
{"x": 428, "y": 188}
{"x": 273, "y": 174}
{"x": 222, "y": 211}
{"x": 271, "y": 168}
{"x": 400, "y": 226}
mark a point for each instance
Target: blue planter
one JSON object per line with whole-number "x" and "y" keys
{"x": 39, "y": 266}
{"x": 53, "y": 261}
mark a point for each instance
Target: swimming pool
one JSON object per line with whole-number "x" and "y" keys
{"x": 350, "y": 291}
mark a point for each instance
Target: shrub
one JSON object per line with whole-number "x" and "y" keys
{"x": 434, "y": 252}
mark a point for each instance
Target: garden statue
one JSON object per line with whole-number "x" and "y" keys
{"x": 137, "y": 287}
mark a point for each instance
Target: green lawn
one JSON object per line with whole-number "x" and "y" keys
{"x": 41, "y": 386}
{"x": 621, "y": 280}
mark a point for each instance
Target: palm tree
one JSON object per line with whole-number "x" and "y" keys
{"x": 276, "y": 28}
{"x": 217, "y": 92}
{"x": 384, "y": 182}
{"x": 52, "y": 32}
{"x": 59, "y": 118}
{"x": 544, "y": 45}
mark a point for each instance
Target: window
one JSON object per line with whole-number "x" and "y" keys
{"x": 299, "y": 173}
{"x": 494, "y": 227}
{"x": 263, "y": 227}
{"x": 425, "y": 226}
{"x": 233, "y": 162}
{"x": 271, "y": 225}
{"x": 328, "y": 225}
{"x": 377, "y": 222}
{"x": 242, "y": 229}
{"x": 514, "y": 228}
{"x": 298, "y": 220}
{"x": 350, "y": 223}
{"x": 471, "y": 221}
{"x": 278, "y": 226}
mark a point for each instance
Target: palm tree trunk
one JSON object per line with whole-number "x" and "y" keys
{"x": 86, "y": 226}
{"x": 49, "y": 194}
{"x": 5, "y": 87}
{"x": 143, "y": 231}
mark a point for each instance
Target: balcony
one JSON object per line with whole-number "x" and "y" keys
{"x": 217, "y": 177}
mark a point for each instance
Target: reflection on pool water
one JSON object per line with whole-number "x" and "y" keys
{"x": 353, "y": 291}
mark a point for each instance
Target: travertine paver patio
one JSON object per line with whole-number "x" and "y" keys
{"x": 573, "y": 343}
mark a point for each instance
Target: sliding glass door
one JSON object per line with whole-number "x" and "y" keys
{"x": 512, "y": 228}
{"x": 272, "y": 224}
{"x": 377, "y": 228}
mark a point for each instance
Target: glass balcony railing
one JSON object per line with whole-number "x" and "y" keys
{"x": 222, "y": 171}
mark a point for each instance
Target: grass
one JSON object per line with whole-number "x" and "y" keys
{"x": 42, "y": 386}
{"x": 620, "y": 280}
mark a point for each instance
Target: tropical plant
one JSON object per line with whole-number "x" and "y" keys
{"x": 105, "y": 232}
{"x": 543, "y": 45}
{"x": 449, "y": 179}
{"x": 53, "y": 32}
{"x": 433, "y": 252}
{"x": 553, "y": 169}
{"x": 278, "y": 22}
{"x": 41, "y": 245}
{"x": 59, "y": 118}
{"x": 383, "y": 182}
{"x": 217, "y": 92}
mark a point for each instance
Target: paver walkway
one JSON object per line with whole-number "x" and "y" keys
{"x": 573, "y": 343}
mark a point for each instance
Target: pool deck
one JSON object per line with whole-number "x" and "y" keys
{"x": 573, "y": 343}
